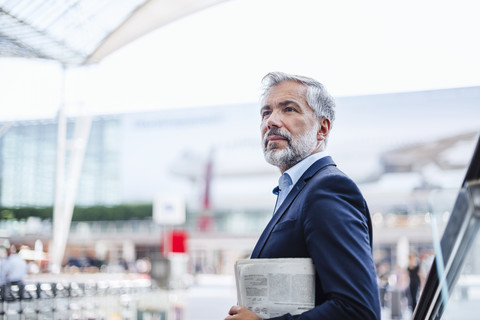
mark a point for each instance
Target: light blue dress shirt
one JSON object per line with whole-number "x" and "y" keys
{"x": 290, "y": 177}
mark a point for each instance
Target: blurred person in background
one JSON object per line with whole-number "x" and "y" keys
{"x": 320, "y": 212}
{"x": 383, "y": 271}
{"x": 3, "y": 267}
{"x": 415, "y": 279}
{"x": 16, "y": 267}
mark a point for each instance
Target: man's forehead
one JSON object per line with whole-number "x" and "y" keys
{"x": 285, "y": 91}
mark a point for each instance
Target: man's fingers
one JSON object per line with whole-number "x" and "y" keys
{"x": 234, "y": 310}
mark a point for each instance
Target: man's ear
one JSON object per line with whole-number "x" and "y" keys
{"x": 323, "y": 128}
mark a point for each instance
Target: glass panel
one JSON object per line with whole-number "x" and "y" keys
{"x": 450, "y": 291}
{"x": 465, "y": 297}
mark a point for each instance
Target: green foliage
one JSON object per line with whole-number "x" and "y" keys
{"x": 119, "y": 212}
{"x": 6, "y": 214}
{"x": 95, "y": 213}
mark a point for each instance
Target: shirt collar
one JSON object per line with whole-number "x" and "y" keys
{"x": 299, "y": 169}
{"x": 284, "y": 184}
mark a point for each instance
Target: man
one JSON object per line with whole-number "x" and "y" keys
{"x": 16, "y": 267}
{"x": 320, "y": 213}
{"x": 3, "y": 262}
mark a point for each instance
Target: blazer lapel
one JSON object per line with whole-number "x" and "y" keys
{"x": 314, "y": 168}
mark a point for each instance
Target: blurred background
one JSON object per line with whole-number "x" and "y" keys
{"x": 130, "y": 159}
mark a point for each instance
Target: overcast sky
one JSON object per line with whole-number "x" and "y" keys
{"x": 218, "y": 56}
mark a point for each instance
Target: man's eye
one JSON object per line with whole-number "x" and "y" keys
{"x": 265, "y": 114}
{"x": 289, "y": 109}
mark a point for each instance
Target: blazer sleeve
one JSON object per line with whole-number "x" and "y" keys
{"x": 337, "y": 233}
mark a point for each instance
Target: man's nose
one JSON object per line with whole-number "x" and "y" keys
{"x": 274, "y": 120}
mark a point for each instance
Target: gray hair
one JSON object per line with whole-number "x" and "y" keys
{"x": 317, "y": 97}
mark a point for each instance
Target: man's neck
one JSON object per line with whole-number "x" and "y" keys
{"x": 299, "y": 169}
{"x": 286, "y": 168}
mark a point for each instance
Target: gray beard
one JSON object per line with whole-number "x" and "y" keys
{"x": 294, "y": 152}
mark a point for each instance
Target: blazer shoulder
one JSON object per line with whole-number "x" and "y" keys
{"x": 329, "y": 176}
{"x": 319, "y": 165}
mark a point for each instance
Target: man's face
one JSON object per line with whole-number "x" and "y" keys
{"x": 289, "y": 126}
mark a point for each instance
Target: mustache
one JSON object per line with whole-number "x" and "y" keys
{"x": 276, "y": 132}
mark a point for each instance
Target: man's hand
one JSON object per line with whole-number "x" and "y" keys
{"x": 241, "y": 313}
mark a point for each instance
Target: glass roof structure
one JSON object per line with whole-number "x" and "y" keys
{"x": 67, "y": 31}
{"x": 78, "y": 32}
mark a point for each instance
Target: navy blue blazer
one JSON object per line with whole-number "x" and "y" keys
{"x": 326, "y": 218}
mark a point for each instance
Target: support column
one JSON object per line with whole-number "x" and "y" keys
{"x": 66, "y": 180}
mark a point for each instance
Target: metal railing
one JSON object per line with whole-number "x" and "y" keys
{"x": 88, "y": 299}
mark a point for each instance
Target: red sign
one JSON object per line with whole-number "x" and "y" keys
{"x": 177, "y": 241}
